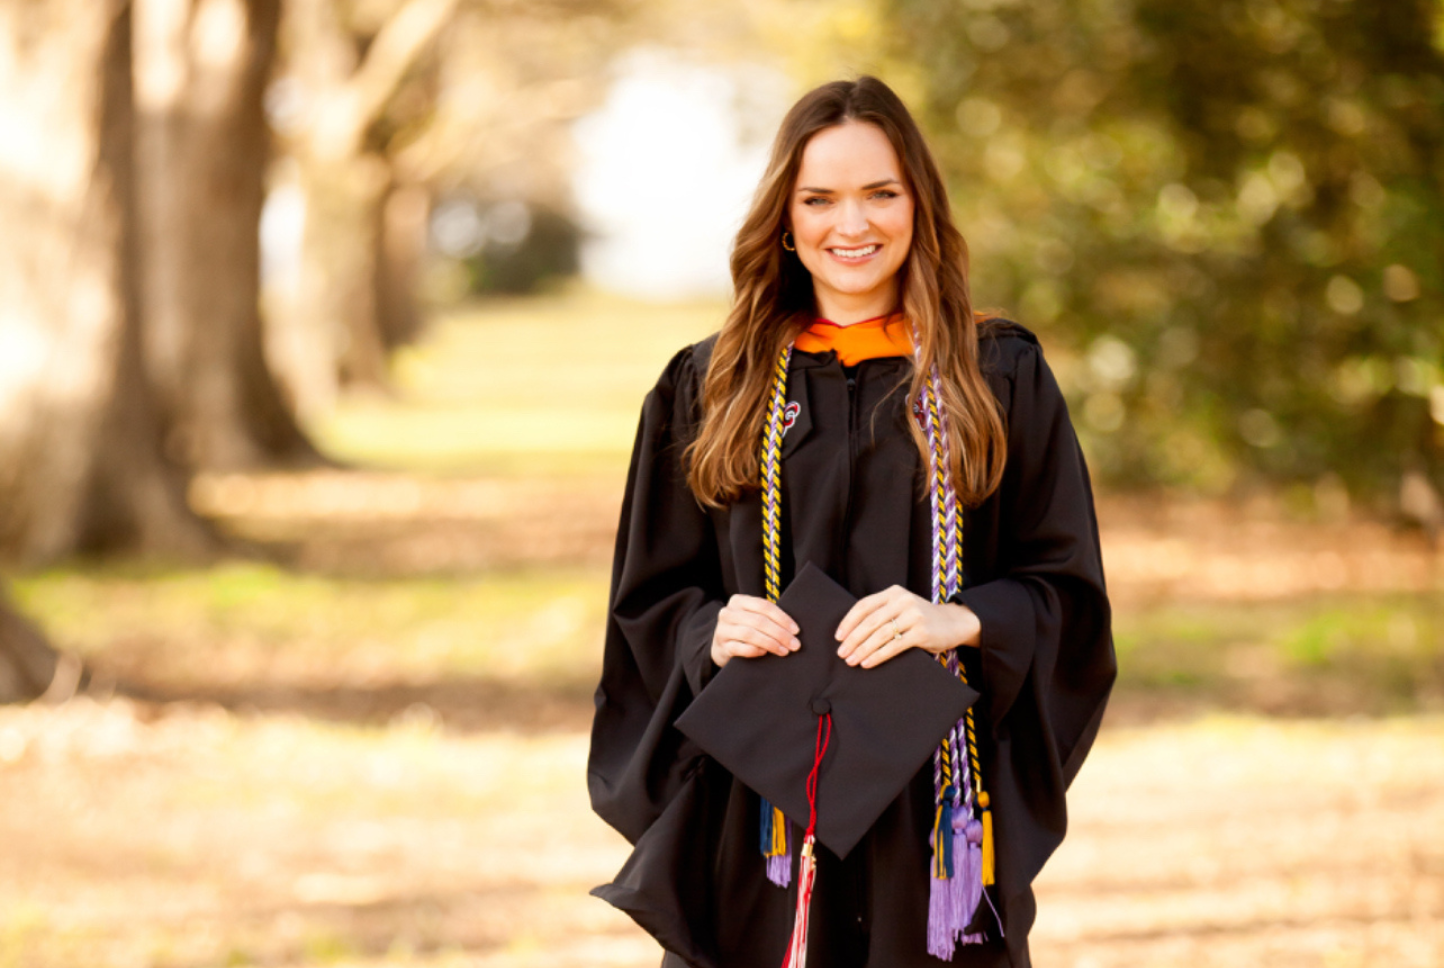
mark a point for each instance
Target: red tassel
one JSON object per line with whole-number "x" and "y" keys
{"x": 807, "y": 872}
{"x": 806, "y": 877}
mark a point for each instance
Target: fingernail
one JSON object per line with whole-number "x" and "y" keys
{"x": 796, "y": 644}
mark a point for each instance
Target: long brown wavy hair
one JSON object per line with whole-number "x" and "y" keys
{"x": 773, "y": 303}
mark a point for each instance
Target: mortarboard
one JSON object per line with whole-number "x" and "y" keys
{"x": 760, "y": 718}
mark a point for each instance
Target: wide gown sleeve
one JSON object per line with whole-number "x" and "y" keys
{"x": 666, "y": 592}
{"x": 1047, "y": 658}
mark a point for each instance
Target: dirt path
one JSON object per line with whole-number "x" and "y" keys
{"x": 203, "y": 839}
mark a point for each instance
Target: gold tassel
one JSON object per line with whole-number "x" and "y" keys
{"x": 987, "y": 838}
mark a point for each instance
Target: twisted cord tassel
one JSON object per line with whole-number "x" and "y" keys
{"x": 775, "y": 843}
{"x": 962, "y": 843}
{"x": 796, "y": 956}
{"x": 954, "y": 582}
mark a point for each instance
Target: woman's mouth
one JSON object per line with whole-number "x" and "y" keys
{"x": 854, "y": 255}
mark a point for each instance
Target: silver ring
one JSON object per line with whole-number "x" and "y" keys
{"x": 896, "y": 632}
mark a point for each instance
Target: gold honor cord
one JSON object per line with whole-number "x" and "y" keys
{"x": 773, "y": 823}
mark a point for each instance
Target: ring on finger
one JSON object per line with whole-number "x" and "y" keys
{"x": 896, "y": 632}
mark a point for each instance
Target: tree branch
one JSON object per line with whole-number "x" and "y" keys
{"x": 395, "y": 49}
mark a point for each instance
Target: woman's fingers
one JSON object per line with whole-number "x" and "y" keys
{"x": 861, "y": 609}
{"x": 766, "y": 617}
{"x": 775, "y": 618}
{"x": 759, "y": 638}
{"x": 749, "y": 627}
{"x": 879, "y": 652}
{"x": 744, "y": 650}
{"x": 882, "y": 637}
{"x": 874, "y": 619}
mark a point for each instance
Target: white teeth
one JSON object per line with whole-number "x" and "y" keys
{"x": 855, "y": 253}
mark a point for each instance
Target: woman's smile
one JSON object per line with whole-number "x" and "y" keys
{"x": 855, "y": 255}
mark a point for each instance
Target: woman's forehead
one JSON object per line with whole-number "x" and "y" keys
{"x": 851, "y": 155}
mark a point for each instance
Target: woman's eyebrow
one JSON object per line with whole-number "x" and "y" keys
{"x": 867, "y": 188}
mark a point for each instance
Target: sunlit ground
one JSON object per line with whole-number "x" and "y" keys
{"x": 369, "y": 749}
{"x": 206, "y": 838}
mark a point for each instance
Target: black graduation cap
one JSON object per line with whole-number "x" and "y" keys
{"x": 759, "y": 719}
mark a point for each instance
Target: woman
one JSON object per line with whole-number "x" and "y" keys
{"x": 891, "y": 418}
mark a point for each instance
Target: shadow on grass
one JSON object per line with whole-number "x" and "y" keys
{"x": 472, "y": 704}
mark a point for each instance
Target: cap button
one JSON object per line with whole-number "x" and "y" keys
{"x": 821, "y": 707}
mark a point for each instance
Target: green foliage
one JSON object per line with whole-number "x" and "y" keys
{"x": 1228, "y": 217}
{"x": 1374, "y": 654}
{"x": 550, "y": 251}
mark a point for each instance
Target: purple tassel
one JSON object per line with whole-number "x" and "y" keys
{"x": 779, "y": 867}
{"x": 940, "y": 932}
{"x": 971, "y": 847}
{"x": 945, "y": 894}
{"x": 965, "y": 872}
{"x": 953, "y": 901}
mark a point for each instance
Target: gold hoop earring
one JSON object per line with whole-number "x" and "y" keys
{"x": 789, "y": 248}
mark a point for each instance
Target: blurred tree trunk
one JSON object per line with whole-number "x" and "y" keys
{"x": 27, "y": 662}
{"x": 202, "y": 142}
{"x": 344, "y": 199}
{"x": 80, "y": 462}
{"x": 401, "y": 246}
{"x": 348, "y": 294}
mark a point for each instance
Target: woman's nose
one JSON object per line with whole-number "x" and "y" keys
{"x": 852, "y": 220}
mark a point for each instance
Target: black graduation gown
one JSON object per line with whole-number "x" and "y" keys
{"x": 853, "y": 504}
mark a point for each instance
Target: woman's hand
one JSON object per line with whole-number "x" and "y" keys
{"x": 883, "y": 625}
{"x": 748, "y": 627}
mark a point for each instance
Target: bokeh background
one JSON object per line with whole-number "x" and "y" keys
{"x": 324, "y": 325}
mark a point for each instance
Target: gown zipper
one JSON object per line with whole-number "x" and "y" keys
{"x": 846, "y": 524}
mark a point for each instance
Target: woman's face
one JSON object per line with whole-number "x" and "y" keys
{"x": 852, "y": 217}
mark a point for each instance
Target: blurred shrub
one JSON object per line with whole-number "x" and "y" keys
{"x": 549, "y": 251}
{"x": 1228, "y": 214}
{"x": 508, "y": 247}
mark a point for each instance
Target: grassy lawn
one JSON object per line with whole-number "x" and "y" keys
{"x": 1375, "y": 654}
{"x": 236, "y": 616}
{"x": 548, "y": 385}
{"x": 250, "y": 626}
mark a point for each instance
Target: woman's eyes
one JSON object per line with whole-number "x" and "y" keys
{"x": 816, "y": 201}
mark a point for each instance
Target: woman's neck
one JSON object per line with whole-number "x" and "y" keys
{"x": 843, "y": 318}
{"x": 846, "y": 312}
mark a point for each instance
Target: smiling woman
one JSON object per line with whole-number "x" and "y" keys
{"x": 855, "y": 415}
{"x": 852, "y": 217}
